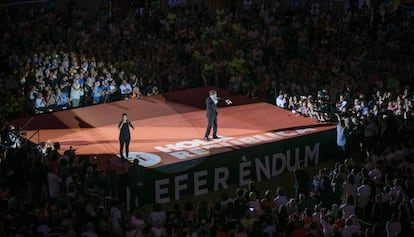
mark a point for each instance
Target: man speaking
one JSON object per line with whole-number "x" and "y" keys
{"x": 211, "y": 108}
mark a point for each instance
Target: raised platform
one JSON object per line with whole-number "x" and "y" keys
{"x": 168, "y": 137}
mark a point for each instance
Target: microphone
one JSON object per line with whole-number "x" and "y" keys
{"x": 228, "y": 101}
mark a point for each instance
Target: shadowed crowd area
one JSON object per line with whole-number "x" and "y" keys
{"x": 344, "y": 62}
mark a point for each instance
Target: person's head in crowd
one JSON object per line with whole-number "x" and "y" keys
{"x": 279, "y": 191}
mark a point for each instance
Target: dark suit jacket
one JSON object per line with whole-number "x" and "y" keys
{"x": 211, "y": 108}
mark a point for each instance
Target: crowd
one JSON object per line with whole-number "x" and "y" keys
{"x": 354, "y": 67}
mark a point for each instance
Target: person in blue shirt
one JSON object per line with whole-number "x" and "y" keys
{"x": 341, "y": 134}
{"x": 62, "y": 100}
{"x": 97, "y": 93}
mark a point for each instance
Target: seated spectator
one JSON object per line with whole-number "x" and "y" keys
{"x": 136, "y": 93}
{"x": 40, "y": 103}
{"x": 125, "y": 90}
{"x": 113, "y": 91}
{"x": 281, "y": 100}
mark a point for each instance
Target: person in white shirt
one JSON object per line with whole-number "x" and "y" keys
{"x": 157, "y": 215}
{"x": 351, "y": 227}
{"x": 54, "y": 183}
{"x": 75, "y": 94}
{"x": 125, "y": 89}
{"x": 281, "y": 100}
{"x": 280, "y": 199}
{"x": 137, "y": 224}
{"x": 363, "y": 196}
{"x": 116, "y": 218}
{"x": 327, "y": 225}
{"x": 393, "y": 227}
{"x": 348, "y": 207}
{"x": 40, "y": 102}
{"x": 375, "y": 172}
{"x": 364, "y": 193}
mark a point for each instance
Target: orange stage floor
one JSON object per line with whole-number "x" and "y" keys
{"x": 167, "y": 132}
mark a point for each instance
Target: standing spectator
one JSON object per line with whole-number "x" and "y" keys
{"x": 62, "y": 100}
{"x": 349, "y": 187}
{"x": 326, "y": 191}
{"x": 348, "y": 207}
{"x": 393, "y": 226}
{"x": 75, "y": 93}
{"x": 116, "y": 219}
{"x": 341, "y": 133}
{"x": 137, "y": 225}
{"x": 136, "y": 183}
{"x": 363, "y": 195}
{"x": 64, "y": 86}
{"x": 158, "y": 229}
{"x": 302, "y": 181}
{"x": 157, "y": 215}
{"x": 53, "y": 181}
{"x": 89, "y": 231}
{"x": 352, "y": 227}
{"x": 280, "y": 199}
{"x": 51, "y": 100}
{"x": 97, "y": 93}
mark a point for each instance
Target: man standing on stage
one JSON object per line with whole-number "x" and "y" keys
{"x": 124, "y": 135}
{"x": 211, "y": 107}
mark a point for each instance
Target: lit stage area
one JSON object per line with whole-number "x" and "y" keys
{"x": 258, "y": 140}
{"x": 169, "y": 128}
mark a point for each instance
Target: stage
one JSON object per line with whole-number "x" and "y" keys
{"x": 169, "y": 128}
{"x": 258, "y": 141}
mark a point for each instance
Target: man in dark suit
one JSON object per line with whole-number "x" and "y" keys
{"x": 211, "y": 107}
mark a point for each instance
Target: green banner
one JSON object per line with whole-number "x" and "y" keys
{"x": 214, "y": 173}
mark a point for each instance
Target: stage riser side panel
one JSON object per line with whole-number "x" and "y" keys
{"x": 215, "y": 173}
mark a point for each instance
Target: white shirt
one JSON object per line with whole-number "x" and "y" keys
{"x": 75, "y": 93}
{"x": 281, "y": 101}
{"x": 54, "y": 184}
{"x": 125, "y": 89}
{"x": 363, "y": 194}
{"x": 116, "y": 216}
{"x": 279, "y": 201}
{"x": 156, "y": 216}
{"x": 137, "y": 222}
{"x": 393, "y": 229}
{"x": 347, "y": 210}
{"x": 326, "y": 228}
{"x": 349, "y": 230}
{"x": 40, "y": 102}
{"x": 374, "y": 173}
